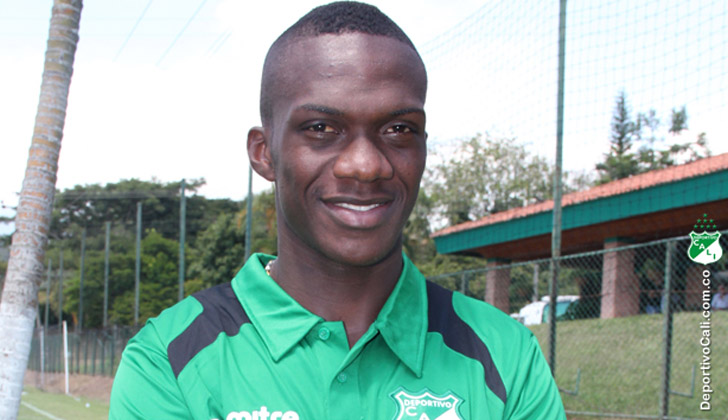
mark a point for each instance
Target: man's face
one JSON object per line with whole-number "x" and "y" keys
{"x": 347, "y": 145}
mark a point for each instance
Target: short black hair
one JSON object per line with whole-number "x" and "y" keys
{"x": 334, "y": 18}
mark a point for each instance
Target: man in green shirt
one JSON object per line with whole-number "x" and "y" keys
{"x": 340, "y": 325}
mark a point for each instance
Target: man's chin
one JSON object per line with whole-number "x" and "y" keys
{"x": 355, "y": 256}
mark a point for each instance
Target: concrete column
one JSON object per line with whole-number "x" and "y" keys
{"x": 694, "y": 287}
{"x": 620, "y": 284}
{"x": 497, "y": 285}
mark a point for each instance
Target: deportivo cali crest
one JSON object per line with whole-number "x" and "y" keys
{"x": 705, "y": 247}
{"x": 426, "y": 405}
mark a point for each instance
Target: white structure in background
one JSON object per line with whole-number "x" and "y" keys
{"x": 538, "y": 312}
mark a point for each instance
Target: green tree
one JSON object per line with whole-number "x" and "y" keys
{"x": 481, "y": 176}
{"x": 621, "y": 162}
{"x": 158, "y": 280}
{"x": 635, "y": 143}
{"x": 158, "y": 287}
{"x": 92, "y": 205}
{"x": 485, "y": 175}
{"x": 220, "y": 249}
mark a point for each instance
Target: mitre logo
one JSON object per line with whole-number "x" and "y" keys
{"x": 705, "y": 247}
{"x": 426, "y": 405}
{"x": 261, "y": 414}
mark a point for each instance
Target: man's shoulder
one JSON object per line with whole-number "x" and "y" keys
{"x": 213, "y": 309}
{"x": 488, "y": 322}
{"x": 481, "y": 332}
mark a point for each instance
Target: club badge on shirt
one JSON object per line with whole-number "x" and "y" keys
{"x": 425, "y": 405}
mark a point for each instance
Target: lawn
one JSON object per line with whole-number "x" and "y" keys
{"x": 621, "y": 364}
{"x": 60, "y": 406}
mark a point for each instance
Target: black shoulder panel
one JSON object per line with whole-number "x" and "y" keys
{"x": 221, "y": 312}
{"x": 459, "y": 336}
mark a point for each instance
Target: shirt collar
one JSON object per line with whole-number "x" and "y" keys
{"x": 282, "y": 322}
{"x": 403, "y": 318}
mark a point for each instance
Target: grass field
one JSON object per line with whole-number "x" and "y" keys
{"x": 621, "y": 363}
{"x": 60, "y": 406}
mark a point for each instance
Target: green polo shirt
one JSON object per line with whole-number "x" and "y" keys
{"x": 246, "y": 350}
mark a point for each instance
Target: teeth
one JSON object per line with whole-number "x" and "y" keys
{"x": 356, "y": 207}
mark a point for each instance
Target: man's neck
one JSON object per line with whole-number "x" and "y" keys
{"x": 338, "y": 292}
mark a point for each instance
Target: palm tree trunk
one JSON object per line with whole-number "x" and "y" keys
{"x": 18, "y": 307}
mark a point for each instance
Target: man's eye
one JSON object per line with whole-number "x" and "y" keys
{"x": 321, "y": 128}
{"x": 399, "y": 129}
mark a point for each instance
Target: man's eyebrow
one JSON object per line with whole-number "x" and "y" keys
{"x": 405, "y": 111}
{"x": 322, "y": 109}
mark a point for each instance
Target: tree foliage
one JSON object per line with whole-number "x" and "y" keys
{"x": 92, "y": 205}
{"x": 486, "y": 175}
{"x": 220, "y": 249}
{"x": 478, "y": 177}
{"x": 89, "y": 208}
{"x": 635, "y": 143}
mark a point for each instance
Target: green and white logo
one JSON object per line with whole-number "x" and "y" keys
{"x": 426, "y": 406}
{"x": 705, "y": 247}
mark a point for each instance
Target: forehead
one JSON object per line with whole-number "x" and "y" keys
{"x": 324, "y": 61}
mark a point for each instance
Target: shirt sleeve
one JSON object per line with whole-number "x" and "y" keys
{"x": 535, "y": 394}
{"x": 145, "y": 386}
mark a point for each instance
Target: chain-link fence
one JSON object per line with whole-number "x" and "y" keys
{"x": 93, "y": 352}
{"x": 621, "y": 350}
{"x": 636, "y": 333}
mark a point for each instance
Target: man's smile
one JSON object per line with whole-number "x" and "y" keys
{"x": 359, "y": 213}
{"x": 355, "y": 207}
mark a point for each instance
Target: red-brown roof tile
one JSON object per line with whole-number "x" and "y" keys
{"x": 621, "y": 186}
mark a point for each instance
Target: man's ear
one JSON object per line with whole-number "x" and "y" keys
{"x": 259, "y": 153}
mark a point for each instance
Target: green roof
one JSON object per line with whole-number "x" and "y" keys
{"x": 682, "y": 193}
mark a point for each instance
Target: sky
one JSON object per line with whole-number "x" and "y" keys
{"x": 148, "y": 99}
{"x": 167, "y": 89}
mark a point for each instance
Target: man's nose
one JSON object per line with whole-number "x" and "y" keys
{"x": 363, "y": 160}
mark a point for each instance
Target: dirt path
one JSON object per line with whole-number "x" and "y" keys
{"x": 92, "y": 387}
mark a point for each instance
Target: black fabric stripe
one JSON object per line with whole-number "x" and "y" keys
{"x": 221, "y": 312}
{"x": 459, "y": 336}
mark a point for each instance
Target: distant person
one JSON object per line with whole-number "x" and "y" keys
{"x": 341, "y": 325}
{"x": 720, "y": 299}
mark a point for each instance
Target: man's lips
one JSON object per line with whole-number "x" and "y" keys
{"x": 359, "y": 212}
{"x": 358, "y": 207}
{"x": 357, "y": 203}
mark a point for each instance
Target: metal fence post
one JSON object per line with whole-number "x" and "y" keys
{"x": 48, "y": 293}
{"x": 556, "y": 228}
{"x": 60, "y": 290}
{"x": 78, "y": 353}
{"x": 85, "y": 355}
{"x": 93, "y": 357}
{"x": 113, "y": 350}
{"x": 667, "y": 331}
{"x": 79, "y": 327}
{"x": 138, "y": 264}
{"x": 42, "y": 358}
{"x": 106, "y": 274}
{"x": 182, "y": 224}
